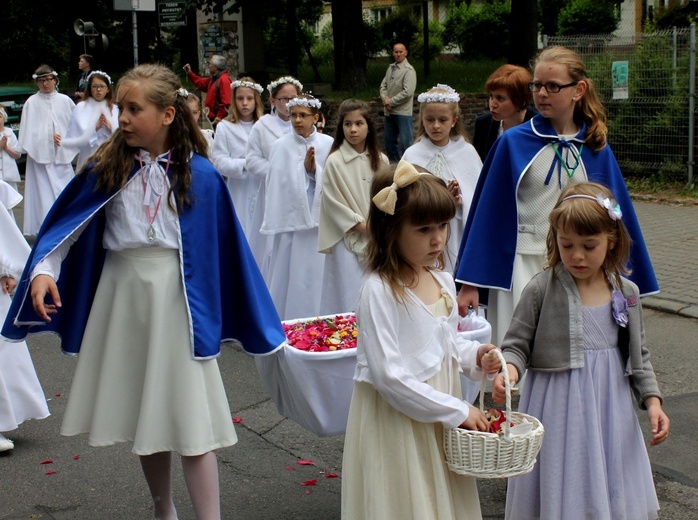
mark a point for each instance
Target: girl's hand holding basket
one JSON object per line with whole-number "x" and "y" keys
{"x": 499, "y": 386}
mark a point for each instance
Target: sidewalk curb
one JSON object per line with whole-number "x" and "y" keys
{"x": 670, "y": 306}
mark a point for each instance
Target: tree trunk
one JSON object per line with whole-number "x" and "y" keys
{"x": 349, "y": 48}
{"x": 523, "y": 32}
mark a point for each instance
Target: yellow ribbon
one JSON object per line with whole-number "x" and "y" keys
{"x": 405, "y": 174}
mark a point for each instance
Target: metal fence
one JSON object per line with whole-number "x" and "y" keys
{"x": 652, "y": 130}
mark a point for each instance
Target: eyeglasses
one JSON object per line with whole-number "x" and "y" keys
{"x": 283, "y": 99}
{"x": 98, "y": 87}
{"x": 44, "y": 80}
{"x": 551, "y": 88}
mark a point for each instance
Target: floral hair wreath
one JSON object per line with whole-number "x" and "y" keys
{"x": 52, "y": 73}
{"x": 448, "y": 96}
{"x": 282, "y": 81}
{"x": 609, "y": 205}
{"x": 304, "y": 102}
{"x": 254, "y": 86}
{"x": 99, "y": 73}
{"x": 182, "y": 92}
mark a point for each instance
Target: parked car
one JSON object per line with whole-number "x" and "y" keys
{"x": 13, "y": 98}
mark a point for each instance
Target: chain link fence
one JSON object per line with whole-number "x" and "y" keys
{"x": 646, "y": 82}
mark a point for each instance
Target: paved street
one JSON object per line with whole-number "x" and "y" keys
{"x": 260, "y": 476}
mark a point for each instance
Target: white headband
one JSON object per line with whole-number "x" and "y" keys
{"x": 248, "y": 84}
{"x": 52, "y": 73}
{"x": 99, "y": 73}
{"x": 609, "y": 205}
{"x": 304, "y": 102}
{"x": 446, "y": 94}
{"x": 282, "y": 81}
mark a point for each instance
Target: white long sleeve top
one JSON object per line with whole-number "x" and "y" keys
{"x": 8, "y": 164}
{"x": 401, "y": 345}
{"x": 42, "y": 116}
{"x": 265, "y": 132}
{"x": 229, "y": 148}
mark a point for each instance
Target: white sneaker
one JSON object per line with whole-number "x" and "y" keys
{"x": 5, "y": 443}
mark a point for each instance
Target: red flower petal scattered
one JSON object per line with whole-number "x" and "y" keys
{"x": 290, "y": 468}
{"x": 51, "y": 472}
{"x": 311, "y": 482}
{"x": 323, "y": 335}
{"x": 76, "y": 457}
{"x": 331, "y": 475}
{"x": 304, "y": 462}
{"x": 47, "y": 461}
{"x": 237, "y": 420}
{"x": 307, "y": 491}
{"x": 58, "y": 395}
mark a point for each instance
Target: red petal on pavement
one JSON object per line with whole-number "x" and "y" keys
{"x": 76, "y": 457}
{"x": 307, "y": 491}
{"x": 58, "y": 395}
{"x": 309, "y": 482}
{"x": 290, "y": 468}
{"x": 51, "y": 472}
{"x": 304, "y": 462}
{"x": 331, "y": 475}
{"x": 47, "y": 461}
{"x": 237, "y": 420}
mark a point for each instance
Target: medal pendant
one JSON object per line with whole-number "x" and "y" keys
{"x": 150, "y": 234}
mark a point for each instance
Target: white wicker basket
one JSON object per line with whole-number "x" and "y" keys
{"x": 488, "y": 455}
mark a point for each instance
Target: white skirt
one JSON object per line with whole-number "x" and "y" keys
{"x": 43, "y": 184}
{"x": 136, "y": 379}
{"x": 342, "y": 279}
{"x": 21, "y": 396}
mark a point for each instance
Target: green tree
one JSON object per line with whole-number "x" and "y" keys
{"x": 587, "y": 17}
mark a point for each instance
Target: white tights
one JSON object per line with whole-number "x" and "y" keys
{"x": 201, "y": 476}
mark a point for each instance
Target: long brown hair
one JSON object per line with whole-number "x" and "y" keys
{"x": 589, "y": 108}
{"x": 350, "y": 105}
{"x": 586, "y": 216}
{"x": 425, "y": 201}
{"x": 114, "y": 160}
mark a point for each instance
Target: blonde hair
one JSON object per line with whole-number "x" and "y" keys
{"x": 425, "y": 201}
{"x": 589, "y": 108}
{"x": 233, "y": 115}
{"x": 113, "y": 161}
{"x": 456, "y": 130}
{"x": 585, "y": 217}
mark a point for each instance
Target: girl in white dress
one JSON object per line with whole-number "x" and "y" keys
{"x": 578, "y": 329}
{"x": 149, "y": 306}
{"x": 21, "y": 396}
{"x": 264, "y": 133}
{"x": 230, "y": 145}
{"x": 94, "y": 119}
{"x": 9, "y": 153}
{"x": 293, "y": 190}
{"x": 346, "y": 196}
{"x": 443, "y": 149}
{"x": 45, "y": 118}
{"x": 408, "y": 361}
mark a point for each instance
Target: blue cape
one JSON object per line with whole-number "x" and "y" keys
{"x": 226, "y": 295}
{"x": 488, "y": 246}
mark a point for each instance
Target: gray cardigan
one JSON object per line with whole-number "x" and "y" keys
{"x": 546, "y": 331}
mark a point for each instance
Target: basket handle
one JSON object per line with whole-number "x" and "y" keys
{"x": 507, "y": 388}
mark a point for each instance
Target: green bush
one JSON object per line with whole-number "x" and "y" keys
{"x": 481, "y": 31}
{"x": 436, "y": 43}
{"x": 400, "y": 26}
{"x": 587, "y": 17}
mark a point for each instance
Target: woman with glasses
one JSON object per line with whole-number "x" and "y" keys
{"x": 265, "y": 132}
{"x": 45, "y": 118}
{"x": 94, "y": 120}
{"x": 504, "y": 241}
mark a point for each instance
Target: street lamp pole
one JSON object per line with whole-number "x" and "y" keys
{"x": 135, "y": 4}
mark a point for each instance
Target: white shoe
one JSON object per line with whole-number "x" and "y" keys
{"x": 5, "y": 443}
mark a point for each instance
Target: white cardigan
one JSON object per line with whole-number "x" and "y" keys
{"x": 400, "y": 346}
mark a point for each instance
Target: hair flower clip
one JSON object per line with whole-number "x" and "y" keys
{"x": 619, "y": 307}
{"x": 254, "y": 86}
{"x": 611, "y": 205}
{"x": 304, "y": 102}
{"x": 439, "y": 94}
{"x": 99, "y": 73}
{"x": 182, "y": 92}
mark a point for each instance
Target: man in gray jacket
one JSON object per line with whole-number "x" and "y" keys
{"x": 397, "y": 94}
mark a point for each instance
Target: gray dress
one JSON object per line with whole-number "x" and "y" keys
{"x": 593, "y": 463}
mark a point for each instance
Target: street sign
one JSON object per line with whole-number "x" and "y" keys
{"x": 172, "y": 14}
{"x": 134, "y": 5}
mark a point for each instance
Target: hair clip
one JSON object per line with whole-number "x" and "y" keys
{"x": 405, "y": 174}
{"x": 439, "y": 94}
{"x": 182, "y": 92}
{"x": 609, "y": 205}
{"x": 254, "y": 86}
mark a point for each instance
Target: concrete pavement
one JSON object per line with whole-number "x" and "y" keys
{"x": 260, "y": 476}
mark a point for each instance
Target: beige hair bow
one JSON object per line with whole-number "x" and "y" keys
{"x": 405, "y": 174}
